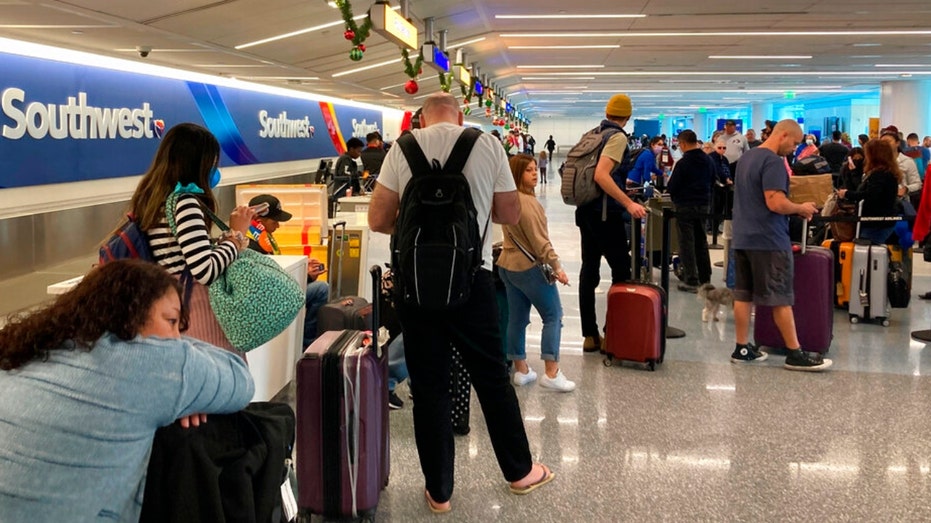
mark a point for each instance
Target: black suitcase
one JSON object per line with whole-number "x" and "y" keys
{"x": 342, "y": 312}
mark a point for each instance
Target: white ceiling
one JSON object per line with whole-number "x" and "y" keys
{"x": 664, "y": 73}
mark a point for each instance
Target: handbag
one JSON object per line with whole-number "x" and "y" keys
{"x": 254, "y": 299}
{"x": 834, "y": 206}
{"x": 548, "y": 273}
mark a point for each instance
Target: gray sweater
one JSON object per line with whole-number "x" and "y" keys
{"x": 77, "y": 430}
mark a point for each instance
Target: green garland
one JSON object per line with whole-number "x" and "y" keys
{"x": 411, "y": 70}
{"x": 446, "y": 81}
{"x": 467, "y": 94}
{"x": 361, "y": 32}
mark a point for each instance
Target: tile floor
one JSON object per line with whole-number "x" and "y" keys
{"x": 700, "y": 439}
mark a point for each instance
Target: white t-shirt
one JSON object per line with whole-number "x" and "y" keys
{"x": 487, "y": 171}
{"x": 736, "y": 146}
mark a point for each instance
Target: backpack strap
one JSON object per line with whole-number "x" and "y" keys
{"x": 461, "y": 151}
{"x": 416, "y": 160}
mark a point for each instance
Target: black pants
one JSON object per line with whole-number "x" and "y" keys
{"x": 693, "y": 245}
{"x": 473, "y": 328}
{"x": 600, "y": 238}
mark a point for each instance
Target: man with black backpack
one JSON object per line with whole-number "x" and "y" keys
{"x": 601, "y": 221}
{"x": 436, "y": 195}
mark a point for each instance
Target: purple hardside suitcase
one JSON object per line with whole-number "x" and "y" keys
{"x": 343, "y": 447}
{"x": 814, "y": 304}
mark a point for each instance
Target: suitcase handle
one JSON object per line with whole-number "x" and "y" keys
{"x": 332, "y": 250}
{"x": 375, "y": 271}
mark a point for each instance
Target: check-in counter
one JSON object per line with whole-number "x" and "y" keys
{"x": 362, "y": 249}
{"x": 355, "y": 203}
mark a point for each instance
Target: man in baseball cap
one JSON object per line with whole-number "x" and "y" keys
{"x": 602, "y": 220}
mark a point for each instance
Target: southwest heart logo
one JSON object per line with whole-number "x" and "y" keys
{"x": 158, "y": 127}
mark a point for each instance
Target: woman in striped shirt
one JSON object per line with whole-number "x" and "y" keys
{"x": 186, "y": 162}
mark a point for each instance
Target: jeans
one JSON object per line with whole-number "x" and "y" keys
{"x": 693, "y": 245}
{"x": 526, "y": 288}
{"x": 599, "y": 238}
{"x": 473, "y": 328}
{"x": 876, "y": 235}
{"x": 318, "y": 292}
{"x": 397, "y": 366}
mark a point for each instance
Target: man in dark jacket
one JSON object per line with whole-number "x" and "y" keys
{"x": 835, "y": 153}
{"x": 690, "y": 189}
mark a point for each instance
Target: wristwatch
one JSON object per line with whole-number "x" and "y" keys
{"x": 236, "y": 237}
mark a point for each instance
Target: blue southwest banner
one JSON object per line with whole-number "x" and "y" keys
{"x": 62, "y": 122}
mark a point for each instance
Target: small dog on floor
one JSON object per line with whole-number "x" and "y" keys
{"x": 714, "y": 299}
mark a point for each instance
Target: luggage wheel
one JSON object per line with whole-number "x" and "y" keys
{"x": 885, "y": 322}
{"x": 608, "y": 361}
{"x": 652, "y": 365}
{"x": 854, "y": 320}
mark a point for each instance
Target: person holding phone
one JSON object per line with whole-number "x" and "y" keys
{"x": 269, "y": 216}
{"x": 186, "y": 163}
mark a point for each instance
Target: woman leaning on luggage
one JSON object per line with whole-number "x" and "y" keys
{"x": 878, "y": 190}
{"x": 526, "y": 284}
{"x": 186, "y": 163}
{"x": 85, "y": 384}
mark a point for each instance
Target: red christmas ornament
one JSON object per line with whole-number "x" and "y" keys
{"x": 411, "y": 87}
{"x": 361, "y": 47}
{"x": 349, "y": 34}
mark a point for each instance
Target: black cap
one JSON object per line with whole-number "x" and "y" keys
{"x": 274, "y": 208}
{"x": 730, "y": 122}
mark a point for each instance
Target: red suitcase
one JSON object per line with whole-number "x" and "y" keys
{"x": 343, "y": 447}
{"x": 814, "y": 304}
{"x": 636, "y": 318}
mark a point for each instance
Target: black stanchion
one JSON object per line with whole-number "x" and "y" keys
{"x": 714, "y": 226}
{"x": 668, "y": 214}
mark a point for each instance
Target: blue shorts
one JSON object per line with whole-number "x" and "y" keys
{"x": 764, "y": 277}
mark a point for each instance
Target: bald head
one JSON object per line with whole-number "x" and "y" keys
{"x": 786, "y": 136}
{"x": 440, "y": 107}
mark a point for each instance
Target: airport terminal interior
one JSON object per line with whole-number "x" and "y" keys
{"x": 697, "y": 439}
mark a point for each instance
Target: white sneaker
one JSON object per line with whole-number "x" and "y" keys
{"x": 520, "y": 379}
{"x": 559, "y": 383}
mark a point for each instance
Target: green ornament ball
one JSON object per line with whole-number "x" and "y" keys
{"x": 487, "y": 103}
{"x": 467, "y": 111}
{"x": 356, "y": 54}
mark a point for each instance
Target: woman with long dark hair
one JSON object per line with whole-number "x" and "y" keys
{"x": 186, "y": 163}
{"x": 878, "y": 190}
{"x": 85, "y": 384}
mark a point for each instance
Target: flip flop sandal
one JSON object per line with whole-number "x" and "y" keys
{"x": 548, "y": 476}
{"x": 434, "y": 506}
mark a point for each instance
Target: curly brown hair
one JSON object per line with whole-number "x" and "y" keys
{"x": 116, "y": 297}
{"x": 187, "y": 154}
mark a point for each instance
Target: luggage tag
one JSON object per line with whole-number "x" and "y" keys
{"x": 288, "y": 503}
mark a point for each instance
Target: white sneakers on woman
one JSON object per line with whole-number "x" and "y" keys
{"x": 520, "y": 379}
{"x": 559, "y": 383}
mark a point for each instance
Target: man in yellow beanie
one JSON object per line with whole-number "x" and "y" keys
{"x": 601, "y": 222}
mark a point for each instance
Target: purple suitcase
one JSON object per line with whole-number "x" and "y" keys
{"x": 814, "y": 304}
{"x": 343, "y": 447}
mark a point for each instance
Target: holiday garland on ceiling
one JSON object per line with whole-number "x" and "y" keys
{"x": 357, "y": 34}
{"x": 412, "y": 71}
{"x": 467, "y": 95}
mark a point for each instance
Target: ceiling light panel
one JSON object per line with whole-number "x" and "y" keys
{"x": 567, "y": 16}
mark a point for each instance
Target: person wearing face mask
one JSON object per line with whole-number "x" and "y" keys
{"x": 851, "y": 172}
{"x": 645, "y": 168}
{"x": 186, "y": 163}
{"x": 809, "y": 148}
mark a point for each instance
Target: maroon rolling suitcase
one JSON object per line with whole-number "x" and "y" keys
{"x": 636, "y": 318}
{"x": 814, "y": 302}
{"x": 343, "y": 447}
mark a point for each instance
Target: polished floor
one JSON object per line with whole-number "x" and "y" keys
{"x": 702, "y": 439}
{"x": 699, "y": 439}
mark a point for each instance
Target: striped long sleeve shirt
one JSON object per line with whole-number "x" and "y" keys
{"x": 192, "y": 247}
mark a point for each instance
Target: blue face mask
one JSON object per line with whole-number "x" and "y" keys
{"x": 214, "y": 178}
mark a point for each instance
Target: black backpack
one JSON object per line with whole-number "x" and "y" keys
{"x": 436, "y": 247}
{"x": 812, "y": 164}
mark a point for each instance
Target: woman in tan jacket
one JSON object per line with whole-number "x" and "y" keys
{"x": 527, "y": 249}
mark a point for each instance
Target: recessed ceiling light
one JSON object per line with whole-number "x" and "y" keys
{"x": 902, "y": 65}
{"x": 467, "y": 42}
{"x": 907, "y": 32}
{"x": 760, "y": 57}
{"x": 560, "y": 16}
{"x": 551, "y": 78}
{"x": 300, "y": 32}
{"x": 560, "y": 66}
{"x": 557, "y": 47}
{"x": 367, "y": 67}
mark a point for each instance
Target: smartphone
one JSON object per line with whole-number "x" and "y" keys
{"x": 260, "y": 209}
{"x": 322, "y": 267}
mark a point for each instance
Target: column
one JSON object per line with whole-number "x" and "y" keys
{"x": 905, "y": 104}
{"x": 698, "y": 125}
{"x": 759, "y": 113}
